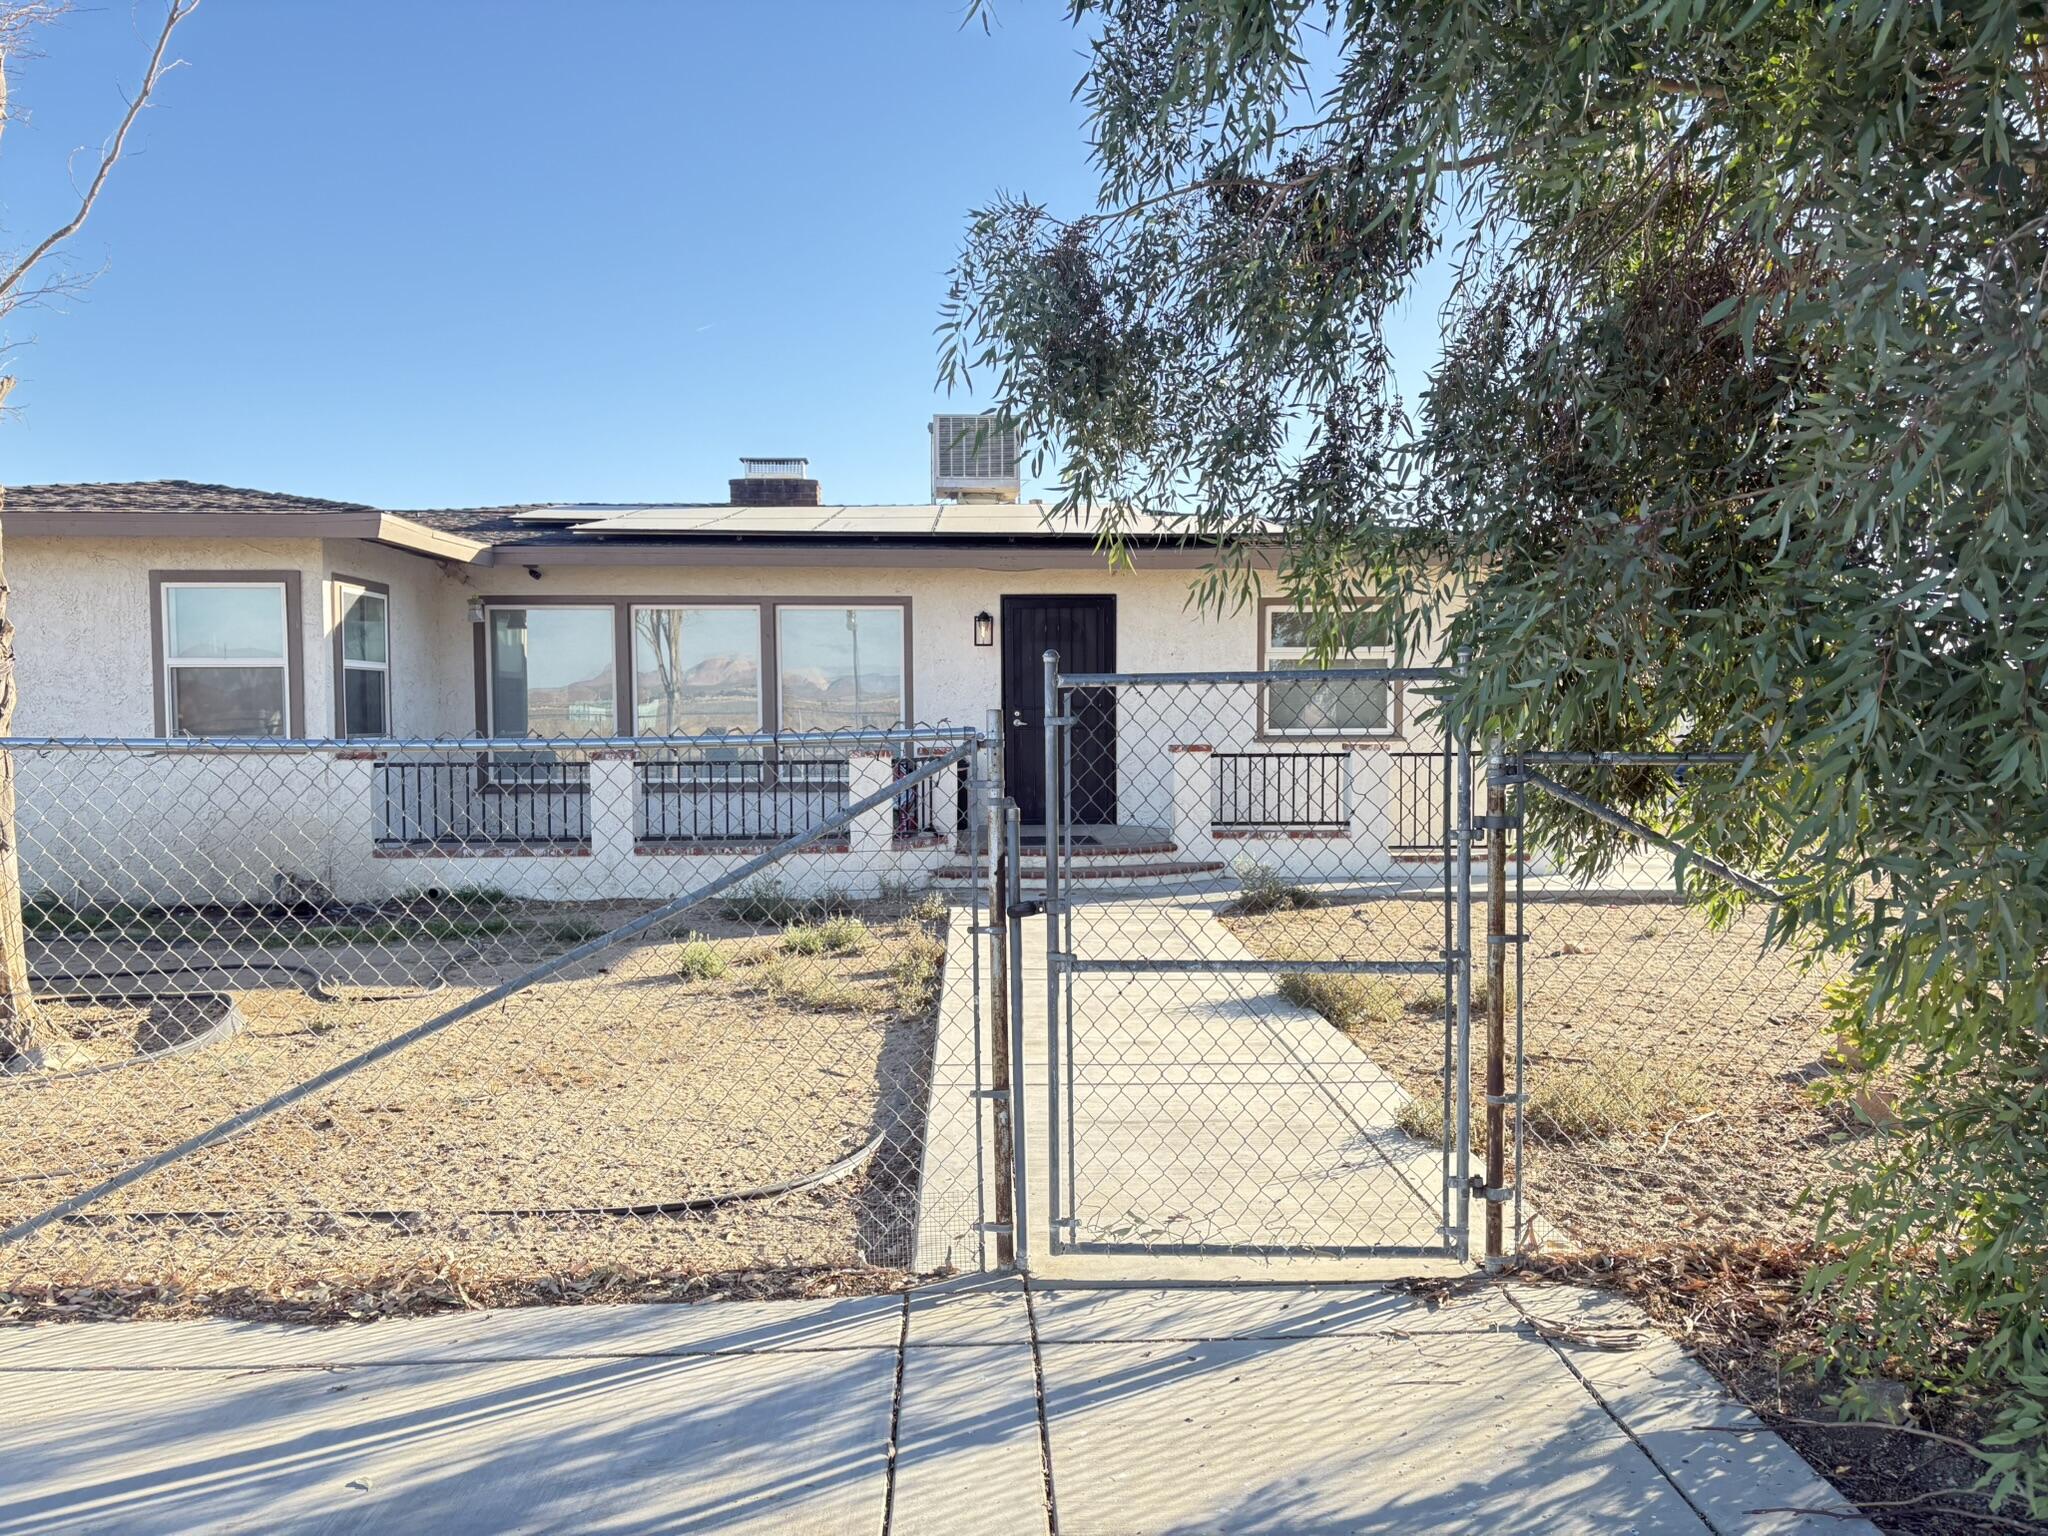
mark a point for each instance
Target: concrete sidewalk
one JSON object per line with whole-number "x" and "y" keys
{"x": 963, "y": 1406}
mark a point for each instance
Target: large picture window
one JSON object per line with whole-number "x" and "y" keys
{"x": 839, "y": 668}
{"x": 696, "y": 669}
{"x": 551, "y": 672}
{"x": 364, "y": 646}
{"x": 1324, "y": 707}
{"x": 226, "y": 652}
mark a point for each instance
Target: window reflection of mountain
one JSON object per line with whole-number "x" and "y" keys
{"x": 813, "y": 701}
{"x": 583, "y": 707}
{"x": 717, "y": 693}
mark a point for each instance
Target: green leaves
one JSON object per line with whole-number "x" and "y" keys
{"x": 1733, "y": 439}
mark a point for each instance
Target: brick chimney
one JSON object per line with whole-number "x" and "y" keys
{"x": 774, "y": 483}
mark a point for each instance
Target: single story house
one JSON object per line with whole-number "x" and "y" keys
{"x": 169, "y": 609}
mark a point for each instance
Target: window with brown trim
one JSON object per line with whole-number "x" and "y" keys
{"x": 696, "y": 668}
{"x": 1319, "y": 707}
{"x": 226, "y": 654}
{"x": 362, "y": 654}
{"x": 685, "y": 665}
{"x": 840, "y": 667}
{"x": 551, "y": 671}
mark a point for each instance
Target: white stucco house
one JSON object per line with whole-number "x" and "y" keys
{"x": 169, "y": 609}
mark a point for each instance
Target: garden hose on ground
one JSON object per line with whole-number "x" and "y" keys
{"x": 832, "y": 1173}
{"x": 228, "y": 1020}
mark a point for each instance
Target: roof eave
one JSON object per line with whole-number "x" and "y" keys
{"x": 927, "y": 554}
{"x": 376, "y": 527}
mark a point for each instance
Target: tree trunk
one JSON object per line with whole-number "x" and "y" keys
{"x": 17, "y": 1005}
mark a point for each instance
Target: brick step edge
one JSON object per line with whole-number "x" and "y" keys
{"x": 1030, "y": 855}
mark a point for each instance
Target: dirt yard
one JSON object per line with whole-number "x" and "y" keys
{"x": 725, "y": 1053}
{"x": 1671, "y": 1067}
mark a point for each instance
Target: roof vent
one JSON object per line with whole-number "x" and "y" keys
{"x": 776, "y": 482}
{"x": 974, "y": 458}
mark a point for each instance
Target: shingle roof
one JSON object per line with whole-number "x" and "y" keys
{"x": 540, "y": 525}
{"x": 485, "y": 524}
{"x": 166, "y": 496}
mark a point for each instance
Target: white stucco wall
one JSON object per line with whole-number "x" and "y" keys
{"x": 953, "y": 681}
{"x": 82, "y": 628}
{"x": 430, "y": 638}
{"x": 83, "y": 643}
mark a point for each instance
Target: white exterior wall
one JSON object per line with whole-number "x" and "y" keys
{"x": 82, "y": 646}
{"x": 137, "y": 828}
{"x": 430, "y": 639}
{"x": 953, "y": 681}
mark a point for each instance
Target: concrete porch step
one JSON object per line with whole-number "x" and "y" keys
{"x": 1100, "y": 872}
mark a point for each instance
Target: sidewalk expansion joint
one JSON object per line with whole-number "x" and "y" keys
{"x": 1052, "y": 1507}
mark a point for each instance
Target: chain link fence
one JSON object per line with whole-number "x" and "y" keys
{"x": 1675, "y": 1077}
{"x": 301, "y": 1017}
{"x": 1260, "y": 901}
{"x": 305, "y": 1016}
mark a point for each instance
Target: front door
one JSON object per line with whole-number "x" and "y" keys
{"x": 1083, "y": 631}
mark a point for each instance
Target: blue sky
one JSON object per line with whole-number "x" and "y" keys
{"x": 478, "y": 251}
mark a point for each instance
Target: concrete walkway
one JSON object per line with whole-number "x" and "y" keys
{"x": 968, "y": 1406}
{"x": 1205, "y": 1112}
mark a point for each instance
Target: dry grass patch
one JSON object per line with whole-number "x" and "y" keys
{"x": 674, "y": 1068}
{"x": 843, "y": 935}
{"x": 1582, "y": 1101}
{"x": 1671, "y": 1066}
{"x": 698, "y": 959}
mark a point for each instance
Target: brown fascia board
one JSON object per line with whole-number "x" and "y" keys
{"x": 929, "y": 555}
{"x": 376, "y": 527}
{"x": 434, "y": 543}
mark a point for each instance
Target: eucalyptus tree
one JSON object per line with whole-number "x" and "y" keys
{"x": 1733, "y": 443}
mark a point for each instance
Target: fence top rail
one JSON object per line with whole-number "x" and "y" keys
{"x": 1284, "y": 675}
{"x": 381, "y": 744}
{"x": 1629, "y": 759}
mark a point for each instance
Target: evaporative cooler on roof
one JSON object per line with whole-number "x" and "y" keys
{"x": 974, "y": 458}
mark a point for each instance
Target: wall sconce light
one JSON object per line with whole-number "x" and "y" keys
{"x": 476, "y": 610}
{"x": 984, "y": 628}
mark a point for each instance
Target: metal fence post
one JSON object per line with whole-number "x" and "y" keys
{"x": 1521, "y": 1096}
{"x": 1496, "y": 998}
{"x": 999, "y": 868}
{"x": 980, "y": 786}
{"x": 1056, "y": 813}
{"x": 1463, "y": 1052}
{"x": 1019, "y": 1220}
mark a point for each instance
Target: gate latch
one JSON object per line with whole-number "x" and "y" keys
{"x": 1026, "y": 909}
{"x": 1496, "y": 823}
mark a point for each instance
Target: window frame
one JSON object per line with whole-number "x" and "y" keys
{"x": 292, "y": 664}
{"x": 622, "y": 608}
{"x": 1271, "y": 654}
{"x": 343, "y": 587}
{"x": 487, "y": 695}
{"x": 763, "y": 649}
{"x": 845, "y": 605}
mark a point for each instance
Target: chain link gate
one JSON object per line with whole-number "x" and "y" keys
{"x": 1257, "y": 927}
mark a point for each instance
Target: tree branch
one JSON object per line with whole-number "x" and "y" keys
{"x": 1265, "y": 184}
{"x": 9, "y": 286}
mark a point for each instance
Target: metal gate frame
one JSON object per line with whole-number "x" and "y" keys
{"x": 1454, "y": 965}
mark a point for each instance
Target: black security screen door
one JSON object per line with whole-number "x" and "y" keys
{"x": 1083, "y": 631}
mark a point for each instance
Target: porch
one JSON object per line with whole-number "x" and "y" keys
{"x": 159, "y": 822}
{"x": 681, "y": 797}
